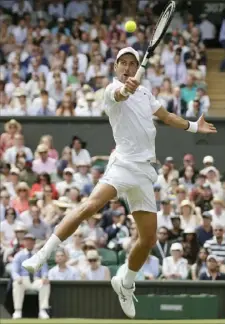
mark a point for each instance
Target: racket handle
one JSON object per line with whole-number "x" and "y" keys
{"x": 139, "y": 73}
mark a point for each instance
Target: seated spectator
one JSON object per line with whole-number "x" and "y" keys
{"x": 27, "y": 216}
{"x": 177, "y": 105}
{"x": 94, "y": 232}
{"x": 190, "y": 245}
{"x": 66, "y": 107}
{"x": 68, "y": 182}
{"x": 175, "y": 267}
{"x": 194, "y": 109}
{"x": 181, "y": 195}
{"x": 216, "y": 245}
{"x": 175, "y": 233}
{"x": 7, "y": 227}
{"x": 82, "y": 177}
{"x": 155, "y": 73}
{"x": 164, "y": 215}
{"x": 188, "y": 93}
{"x": 5, "y": 172}
{"x": 188, "y": 179}
{"x": 129, "y": 242}
{"x": 20, "y": 202}
{"x": 117, "y": 231}
{"x": 164, "y": 180}
{"x": 62, "y": 271}
{"x": 16, "y": 245}
{"x": 195, "y": 71}
{"x": 39, "y": 228}
{"x": 212, "y": 272}
{"x": 96, "y": 174}
{"x": 44, "y": 163}
{"x": 188, "y": 160}
{"x": 4, "y": 203}
{"x": 188, "y": 217}
{"x": 204, "y": 100}
{"x": 157, "y": 193}
{"x": 62, "y": 205}
{"x": 205, "y": 198}
{"x": 205, "y": 231}
{"x": 37, "y": 189}
{"x": 75, "y": 248}
{"x": 65, "y": 160}
{"x": 176, "y": 71}
{"x": 213, "y": 181}
{"x": 13, "y": 181}
{"x": 96, "y": 271}
{"x": 199, "y": 268}
{"x": 218, "y": 211}
{"x": 166, "y": 92}
{"x": 74, "y": 196}
{"x": 22, "y": 280}
{"x": 48, "y": 141}
{"x": 151, "y": 268}
{"x": 19, "y": 104}
{"x": 162, "y": 248}
{"x": 79, "y": 153}
{"x": 10, "y": 153}
{"x": 46, "y": 204}
{"x": 43, "y": 105}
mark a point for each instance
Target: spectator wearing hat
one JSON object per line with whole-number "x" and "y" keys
{"x": 216, "y": 245}
{"x": 198, "y": 268}
{"x": 19, "y": 104}
{"x": 162, "y": 248}
{"x": 20, "y": 202}
{"x": 62, "y": 205}
{"x": 181, "y": 194}
{"x": 96, "y": 271}
{"x": 175, "y": 233}
{"x": 90, "y": 107}
{"x": 188, "y": 217}
{"x": 205, "y": 231}
{"x": 10, "y": 153}
{"x": 82, "y": 177}
{"x": 163, "y": 216}
{"x": 212, "y": 272}
{"x": 190, "y": 245}
{"x": 63, "y": 271}
{"x": 16, "y": 245}
{"x": 7, "y": 227}
{"x": 79, "y": 153}
{"x": 117, "y": 231}
{"x": 218, "y": 211}
{"x": 39, "y": 228}
{"x": 175, "y": 267}
{"x": 68, "y": 182}
{"x": 13, "y": 181}
{"x": 22, "y": 280}
{"x": 204, "y": 200}
{"x": 44, "y": 163}
{"x": 48, "y": 140}
{"x": 213, "y": 180}
{"x": 42, "y": 180}
{"x": 107, "y": 215}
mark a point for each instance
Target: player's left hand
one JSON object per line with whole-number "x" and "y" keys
{"x": 204, "y": 127}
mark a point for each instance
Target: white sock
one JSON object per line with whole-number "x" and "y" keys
{"x": 128, "y": 278}
{"x": 51, "y": 244}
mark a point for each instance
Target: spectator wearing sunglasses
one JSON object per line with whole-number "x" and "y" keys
{"x": 216, "y": 245}
{"x": 96, "y": 271}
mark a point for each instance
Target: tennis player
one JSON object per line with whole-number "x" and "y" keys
{"x": 129, "y": 172}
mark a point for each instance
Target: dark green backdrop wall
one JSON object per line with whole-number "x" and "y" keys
{"x": 97, "y": 132}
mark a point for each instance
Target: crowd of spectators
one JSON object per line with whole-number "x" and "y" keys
{"x": 57, "y": 58}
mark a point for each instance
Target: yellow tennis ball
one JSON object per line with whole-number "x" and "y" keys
{"x": 130, "y": 26}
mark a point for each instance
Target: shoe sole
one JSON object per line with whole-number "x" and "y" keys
{"x": 114, "y": 286}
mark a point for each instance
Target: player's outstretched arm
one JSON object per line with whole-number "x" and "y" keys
{"x": 200, "y": 126}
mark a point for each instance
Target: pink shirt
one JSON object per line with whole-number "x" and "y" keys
{"x": 49, "y": 166}
{"x": 52, "y": 153}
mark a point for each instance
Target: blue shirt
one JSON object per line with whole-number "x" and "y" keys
{"x": 188, "y": 94}
{"x": 19, "y": 271}
{"x": 203, "y": 236}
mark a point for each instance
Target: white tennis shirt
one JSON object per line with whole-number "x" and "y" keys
{"x": 132, "y": 124}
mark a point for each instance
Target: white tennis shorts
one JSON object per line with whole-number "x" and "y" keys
{"x": 132, "y": 181}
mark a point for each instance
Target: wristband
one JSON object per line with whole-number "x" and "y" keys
{"x": 193, "y": 127}
{"x": 123, "y": 92}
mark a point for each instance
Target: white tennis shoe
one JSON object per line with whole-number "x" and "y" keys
{"x": 125, "y": 295}
{"x": 35, "y": 262}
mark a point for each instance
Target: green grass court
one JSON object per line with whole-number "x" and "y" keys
{"x": 106, "y": 321}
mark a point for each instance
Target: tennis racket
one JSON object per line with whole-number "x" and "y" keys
{"x": 158, "y": 33}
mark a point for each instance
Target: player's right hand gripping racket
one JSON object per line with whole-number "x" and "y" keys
{"x": 158, "y": 33}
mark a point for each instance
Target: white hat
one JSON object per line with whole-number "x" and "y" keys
{"x": 176, "y": 247}
{"x": 128, "y": 50}
{"x": 208, "y": 159}
{"x": 189, "y": 230}
{"x": 93, "y": 254}
{"x": 212, "y": 256}
{"x": 68, "y": 170}
{"x": 90, "y": 96}
{"x": 15, "y": 171}
{"x": 19, "y": 92}
{"x": 62, "y": 202}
